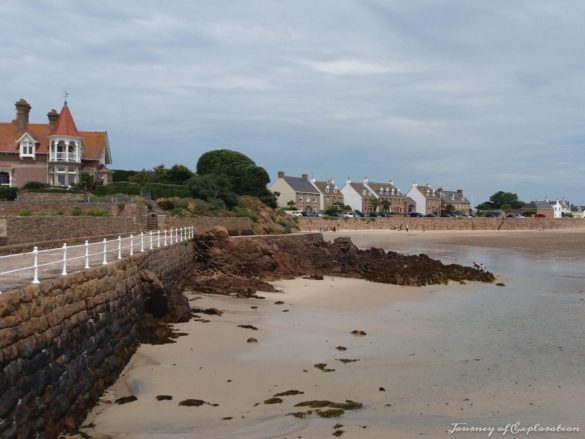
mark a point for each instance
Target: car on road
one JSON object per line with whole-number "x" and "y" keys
{"x": 415, "y": 214}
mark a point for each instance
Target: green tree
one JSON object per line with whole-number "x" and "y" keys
{"x": 215, "y": 189}
{"x": 122, "y": 175}
{"x": 386, "y": 205}
{"x": 375, "y": 203}
{"x": 178, "y": 174}
{"x": 502, "y": 200}
{"x": 86, "y": 182}
{"x": 245, "y": 177}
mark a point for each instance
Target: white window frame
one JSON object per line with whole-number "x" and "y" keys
{"x": 9, "y": 184}
{"x": 26, "y": 142}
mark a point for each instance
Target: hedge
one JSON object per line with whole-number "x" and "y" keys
{"x": 8, "y": 193}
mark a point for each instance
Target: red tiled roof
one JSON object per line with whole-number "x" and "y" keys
{"x": 65, "y": 125}
{"x": 94, "y": 142}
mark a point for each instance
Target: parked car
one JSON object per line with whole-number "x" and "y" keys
{"x": 295, "y": 212}
{"x": 446, "y": 214}
{"x": 492, "y": 215}
{"x": 539, "y": 215}
{"x": 430, "y": 215}
{"x": 346, "y": 215}
{"x": 358, "y": 214}
{"x": 514, "y": 215}
{"x": 415, "y": 214}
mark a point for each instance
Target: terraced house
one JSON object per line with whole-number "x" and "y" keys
{"x": 376, "y": 197}
{"x": 296, "y": 192}
{"x": 55, "y": 152}
{"x": 427, "y": 201}
{"x": 330, "y": 193}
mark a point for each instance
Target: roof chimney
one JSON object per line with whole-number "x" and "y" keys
{"x": 280, "y": 174}
{"x": 305, "y": 177}
{"x": 460, "y": 191}
{"x": 365, "y": 180}
{"x": 22, "y": 112}
{"x": 53, "y": 116}
{"x": 348, "y": 180}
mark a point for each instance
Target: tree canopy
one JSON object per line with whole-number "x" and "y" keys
{"x": 244, "y": 176}
{"x": 502, "y": 200}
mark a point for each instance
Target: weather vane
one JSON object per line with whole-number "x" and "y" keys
{"x": 65, "y": 95}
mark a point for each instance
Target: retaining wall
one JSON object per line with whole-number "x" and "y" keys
{"x": 63, "y": 342}
{"x": 391, "y": 223}
{"x": 27, "y": 229}
{"x": 234, "y": 225}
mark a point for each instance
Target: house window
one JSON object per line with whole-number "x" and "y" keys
{"x": 335, "y": 190}
{"x": 327, "y": 189}
{"x": 27, "y": 148}
{"x": 4, "y": 178}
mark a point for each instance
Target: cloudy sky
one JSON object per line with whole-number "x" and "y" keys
{"x": 481, "y": 95}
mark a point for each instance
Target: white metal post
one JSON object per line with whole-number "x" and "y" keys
{"x": 172, "y": 233}
{"x": 36, "y": 265}
{"x": 86, "y": 254}
{"x": 141, "y": 242}
{"x": 64, "y": 272}
{"x": 176, "y": 235}
{"x": 165, "y": 241}
{"x": 151, "y": 240}
{"x": 119, "y": 247}
{"x": 131, "y": 244}
{"x": 158, "y": 238}
{"x": 181, "y": 234}
{"x": 105, "y": 261}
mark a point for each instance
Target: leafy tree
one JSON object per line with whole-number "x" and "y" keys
{"x": 122, "y": 175}
{"x": 178, "y": 174}
{"x": 291, "y": 204}
{"x": 86, "y": 182}
{"x": 215, "y": 189}
{"x": 375, "y": 203}
{"x": 332, "y": 211}
{"x": 450, "y": 208}
{"x": 386, "y": 205}
{"x": 502, "y": 200}
{"x": 245, "y": 177}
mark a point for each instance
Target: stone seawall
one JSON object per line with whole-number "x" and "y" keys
{"x": 392, "y": 223}
{"x": 64, "y": 341}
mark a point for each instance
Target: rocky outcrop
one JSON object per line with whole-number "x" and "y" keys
{"x": 242, "y": 267}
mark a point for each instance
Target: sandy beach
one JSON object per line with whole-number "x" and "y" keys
{"x": 431, "y": 356}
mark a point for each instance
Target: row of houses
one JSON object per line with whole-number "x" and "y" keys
{"x": 312, "y": 195}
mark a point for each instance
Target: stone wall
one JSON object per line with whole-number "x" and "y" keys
{"x": 64, "y": 341}
{"x": 51, "y": 197}
{"x": 234, "y": 225}
{"x": 36, "y": 229}
{"x": 392, "y": 223}
{"x": 69, "y": 208}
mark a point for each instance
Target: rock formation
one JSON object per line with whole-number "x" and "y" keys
{"x": 243, "y": 267}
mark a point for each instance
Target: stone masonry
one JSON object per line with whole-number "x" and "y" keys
{"x": 64, "y": 341}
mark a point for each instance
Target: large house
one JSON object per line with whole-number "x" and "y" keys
{"x": 330, "y": 194}
{"x": 371, "y": 197}
{"x": 297, "y": 192}
{"x": 554, "y": 209}
{"x": 55, "y": 152}
{"x": 427, "y": 201}
{"x": 458, "y": 202}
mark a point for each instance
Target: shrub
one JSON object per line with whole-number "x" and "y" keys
{"x": 98, "y": 211}
{"x": 8, "y": 193}
{"x": 35, "y": 185}
{"x": 24, "y": 212}
{"x": 76, "y": 212}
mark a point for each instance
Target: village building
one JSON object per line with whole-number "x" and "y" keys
{"x": 554, "y": 209}
{"x": 369, "y": 197}
{"x": 54, "y": 153}
{"x": 458, "y": 202}
{"x": 426, "y": 200}
{"x": 330, "y": 194}
{"x": 296, "y": 192}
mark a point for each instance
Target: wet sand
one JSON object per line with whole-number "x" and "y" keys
{"x": 475, "y": 353}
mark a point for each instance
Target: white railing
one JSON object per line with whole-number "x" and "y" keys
{"x": 31, "y": 266}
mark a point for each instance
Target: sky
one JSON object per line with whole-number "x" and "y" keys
{"x": 474, "y": 95}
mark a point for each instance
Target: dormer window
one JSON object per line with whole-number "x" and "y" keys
{"x": 365, "y": 192}
{"x": 327, "y": 189}
{"x": 27, "y": 146}
{"x": 387, "y": 191}
{"x": 335, "y": 190}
